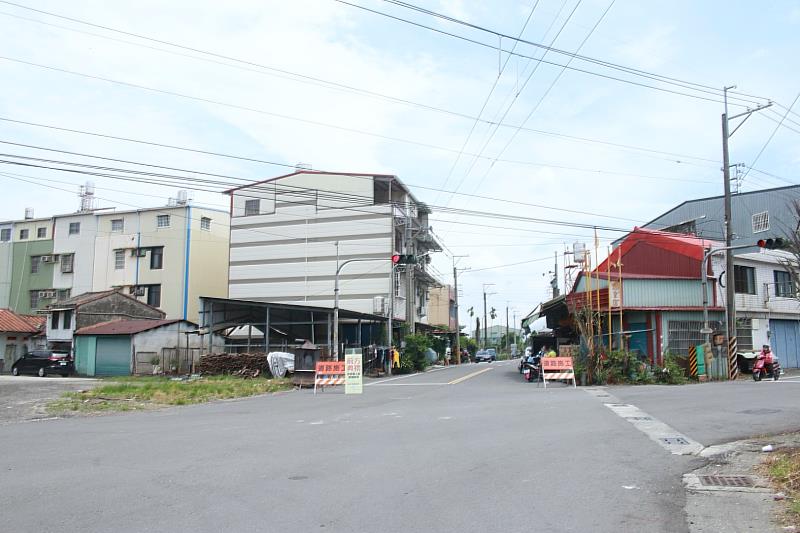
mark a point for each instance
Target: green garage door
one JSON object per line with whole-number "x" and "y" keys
{"x": 113, "y": 356}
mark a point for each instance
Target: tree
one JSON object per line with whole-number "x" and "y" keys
{"x": 792, "y": 264}
{"x": 478, "y": 330}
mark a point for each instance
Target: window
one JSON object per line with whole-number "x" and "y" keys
{"x": 205, "y": 223}
{"x": 117, "y": 224}
{"x": 23, "y": 234}
{"x": 252, "y": 207}
{"x": 761, "y": 222}
{"x": 154, "y": 295}
{"x": 36, "y": 260}
{"x": 34, "y": 299}
{"x": 5, "y": 234}
{"x": 157, "y": 258}
{"x": 744, "y": 334}
{"x": 784, "y": 286}
{"x": 66, "y": 263}
{"x": 686, "y": 333}
{"x": 67, "y": 322}
{"x": 162, "y": 221}
{"x": 744, "y": 279}
{"x": 119, "y": 259}
{"x": 74, "y": 228}
{"x": 63, "y": 294}
{"x": 41, "y": 233}
{"x": 54, "y": 320}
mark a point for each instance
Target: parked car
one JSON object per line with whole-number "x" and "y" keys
{"x": 492, "y": 352}
{"x": 485, "y": 355}
{"x": 43, "y": 362}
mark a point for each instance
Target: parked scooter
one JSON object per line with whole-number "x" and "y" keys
{"x": 524, "y": 358}
{"x": 766, "y": 365}
{"x": 532, "y": 367}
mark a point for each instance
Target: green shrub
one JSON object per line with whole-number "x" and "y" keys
{"x": 672, "y": 373}
{"x": 416, "y": 345}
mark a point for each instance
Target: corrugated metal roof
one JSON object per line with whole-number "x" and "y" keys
{"x": 14, "y": 323}
{"x": 124, "y": 327}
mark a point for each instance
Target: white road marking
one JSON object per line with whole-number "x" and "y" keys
{"x": 406, "y": 376}
{"x": 662, "y": 434}
{"x": 317, "y": 423}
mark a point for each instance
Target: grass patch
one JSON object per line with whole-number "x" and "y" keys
{"x": 150, "y": 392}
{"x": 784, "y": 469}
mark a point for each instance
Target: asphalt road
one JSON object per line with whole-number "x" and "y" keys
{"x": 431, "y": 452}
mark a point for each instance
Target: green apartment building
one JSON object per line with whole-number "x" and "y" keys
{"x": 31, "y": 266}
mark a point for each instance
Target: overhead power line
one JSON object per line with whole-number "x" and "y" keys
{"x": 192, "y": 183}
{"x": 703, "y": 89}
{"x": 252, "y": 66}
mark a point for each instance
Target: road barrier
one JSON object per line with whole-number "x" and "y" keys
{"x": 733, "y": 363}
{"x": 328, "y": 373}
{"x": 559, "y": 368}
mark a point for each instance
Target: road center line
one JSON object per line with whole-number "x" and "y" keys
{"x": 468, "y": 376}
{"x": 410, "y": 384}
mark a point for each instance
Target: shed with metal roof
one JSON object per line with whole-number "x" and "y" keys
{"x": 125, "y": 347}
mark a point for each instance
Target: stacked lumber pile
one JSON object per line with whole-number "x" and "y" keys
{"x": 248, "y": 365}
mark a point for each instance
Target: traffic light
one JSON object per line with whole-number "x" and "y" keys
{"x": 773, "y": 244}
{"x": 404, "y": 259}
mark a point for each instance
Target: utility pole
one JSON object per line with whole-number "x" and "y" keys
{"x": 485, "y": 329}
{"x": 458, "y": 327}
{"x": 730, "y": 285}
{"x": 555, "y": 275}
{"x": 506, "y": 325}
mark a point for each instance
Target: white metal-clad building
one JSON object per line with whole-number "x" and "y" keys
{"x": 284, "y": 235}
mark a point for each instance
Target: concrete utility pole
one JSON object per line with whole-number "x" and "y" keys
{"x": 506, "y": 325}
{"x": 555, "y": 275}
{"x": 730, "y": 285}
{"x": 485, "y": 322}
{"x": 484, "y": 317}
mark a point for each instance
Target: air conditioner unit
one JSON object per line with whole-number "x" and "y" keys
{"x": 46, "y": 258}
{"x": 139, "y": 291}
{"x": 378, "y": 306}
{"x": 47, "y": 294}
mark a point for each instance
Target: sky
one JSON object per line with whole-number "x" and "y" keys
{"x": 482, "y": 123}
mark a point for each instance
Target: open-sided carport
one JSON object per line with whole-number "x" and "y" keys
{"x": 277, "y": 326}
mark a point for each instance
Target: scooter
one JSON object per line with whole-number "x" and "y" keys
{"x": 531, "y": 368}
{"x": 766, "y": 365}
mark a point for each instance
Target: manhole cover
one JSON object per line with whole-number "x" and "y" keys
{"x": 639, "y": 418}
{"x": 675, "y": 440}
{"x": 762, "y": 411}
{"x": 727, "y": 481}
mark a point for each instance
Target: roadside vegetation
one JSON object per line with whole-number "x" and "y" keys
{"x": 621, "y": 367}
{"x": 783, "y": 467}
{"x": 153, "y": 392}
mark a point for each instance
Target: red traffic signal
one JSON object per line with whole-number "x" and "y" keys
{"x": 405, "y": 259}
{"x": 772, "y": 244}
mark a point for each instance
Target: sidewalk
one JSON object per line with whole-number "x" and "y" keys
{"x": 730, "y": 494}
